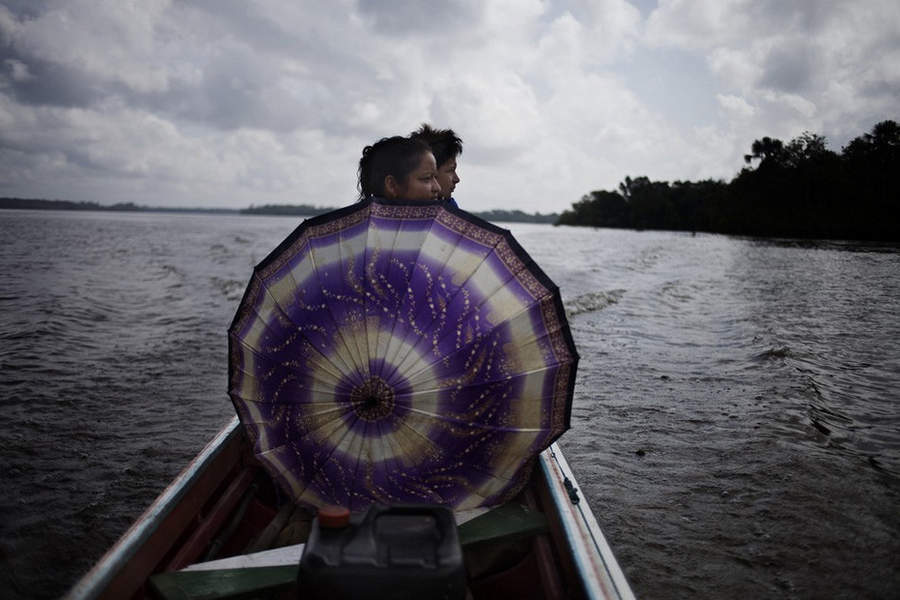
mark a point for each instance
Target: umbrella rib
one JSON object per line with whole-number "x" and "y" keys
{"x": 314, "y": 414}
{"x": 257, "y": 386}
{"x": 415, "y": 431}
{"x": 411, "y": 377}
{"x": 367, "y": 300}
{"x": 483, "y": 426}
{"x": 340, "y": 333}
{"x": 347, "y": 272}
{"x": 387, "y": 458}
{"x": 395, "y": 264}
{"x": 358, "y": 456}
{"x": 545, "y": 367}
{"x": 301, "y": 403}
{"x": 450, "y": 300}
{"x": 483, "y": 335}
{"x": 300, "y": 332}
{"x": 403, "y": 300}
{"x": 545, "y": 333}
{"x": 372, "y": 252}
{"x": 333, "y": 449}
{"x": 390, "y": 362}
{"x": 513, "y": 275}
{"x": 264, "y": 358}
{"x": 310, "y": 479}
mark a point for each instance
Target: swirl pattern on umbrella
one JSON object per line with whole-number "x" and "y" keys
{"x": 399, "y": 352}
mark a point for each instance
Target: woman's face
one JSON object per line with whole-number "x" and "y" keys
{"x": 421, "y": 185}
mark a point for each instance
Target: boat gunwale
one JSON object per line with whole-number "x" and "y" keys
{"x": 582, "y": 532}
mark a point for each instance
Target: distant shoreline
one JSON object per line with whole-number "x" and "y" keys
{"x": 289, "y": 210}
{"x": 42, "y": 204}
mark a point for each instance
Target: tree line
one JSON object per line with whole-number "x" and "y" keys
{"x": 44, "y": 204}
{"x": 796, "y": 189}
{"x": 292, "y": 210}
{"x": 516, "y": 216}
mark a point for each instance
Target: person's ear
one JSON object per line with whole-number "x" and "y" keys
{"x": 391, "y": 187}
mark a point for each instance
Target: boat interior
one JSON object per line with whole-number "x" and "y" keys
{"x": 227, "y": 531}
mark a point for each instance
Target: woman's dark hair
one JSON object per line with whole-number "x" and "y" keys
{"x": 445, "y": 144}
{"x": 398, "y": 156}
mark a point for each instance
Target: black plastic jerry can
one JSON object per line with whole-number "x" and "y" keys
{"x": 390, "y": 552}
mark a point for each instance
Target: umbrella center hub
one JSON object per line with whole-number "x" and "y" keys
{"x": 373, "y": 400}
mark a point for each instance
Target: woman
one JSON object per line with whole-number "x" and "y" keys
{"x": 398, "y": 168}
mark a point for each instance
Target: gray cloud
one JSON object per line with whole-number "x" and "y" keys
{"x": 31, "y": 80}
{"x": 789, "y": 68}
{"x": 411, "y": 17}
{"x": 244, "y": 69}
{"x": 237, "y": 101}
{"x": 807, "y": 16}
{"x": 25, "y": 9}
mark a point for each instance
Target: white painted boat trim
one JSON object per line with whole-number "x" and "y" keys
{"x": 96, "y": 580}
{"x": 278, "y": 557}
{"x": 464, "y": 516}
{"x": 600, "y": 573}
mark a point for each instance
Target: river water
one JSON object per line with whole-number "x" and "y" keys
{"x": 735, "y": 426}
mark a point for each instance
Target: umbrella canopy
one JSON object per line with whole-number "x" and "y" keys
{"x": 400, "y": 352}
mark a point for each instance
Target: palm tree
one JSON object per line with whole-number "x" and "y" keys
{"x": 764, "y": 149}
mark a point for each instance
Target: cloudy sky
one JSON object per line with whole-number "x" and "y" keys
{"x": 234, "y": 102}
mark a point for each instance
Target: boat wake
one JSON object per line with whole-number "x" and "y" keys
{"x": 591, "y": 302}
{"x": 774, "y": 353}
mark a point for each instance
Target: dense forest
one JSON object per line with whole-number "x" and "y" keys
{"x": 798, "y": 189}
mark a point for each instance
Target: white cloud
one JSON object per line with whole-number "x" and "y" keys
{"x": 110, "y": 39}
{"x": 736, "y": 105}
{"x": 230, "y": 102}
{"x": 696, "y": 24}
{"x": 17, "y": 69}
{"x": 817, "y": 65}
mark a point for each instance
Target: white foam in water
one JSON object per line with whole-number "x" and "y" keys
{"x": 591, "y": 302}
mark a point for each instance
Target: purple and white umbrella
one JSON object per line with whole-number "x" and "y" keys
{"x": 401, "y": 352}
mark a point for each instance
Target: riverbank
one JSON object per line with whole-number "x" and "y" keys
{"x": 283, "y": 210}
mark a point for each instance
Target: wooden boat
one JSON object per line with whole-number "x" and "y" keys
{"x": 545, "y": 544}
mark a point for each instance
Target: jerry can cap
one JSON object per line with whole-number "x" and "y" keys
{"x": 334, "y": 517}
